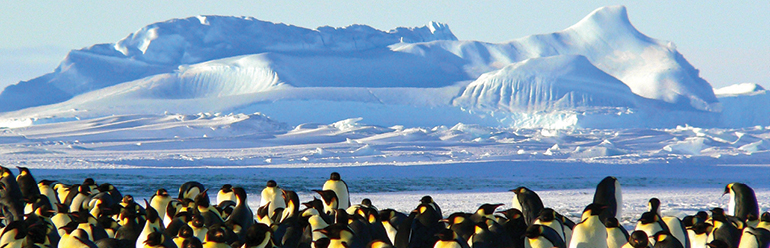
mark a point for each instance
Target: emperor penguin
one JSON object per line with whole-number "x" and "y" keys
{"x": 46, "y": 189}
{"x": 743, "y": 201}
{"x": 27, "y": 184}
{"x": 153, "y": 224}
{"x": 461, "y": 224}
{"x": 590, "y": 232}
{"x": 391, "y": 219}
{"x": 159, "y": 201}
{"x": 540, "y": 236}
{"x": 617, "y": 236}
{"x": 608, "y": 193}
{"x": 336, "y": 184}
{"x": 242, "y": 217}
{"x": 650, "y": 223}
{"x": 638, "y": 239}
{"x": 528, "y": 202}
{"x": 77, "y": 238}
{"x": 225, "y": 194}
{"x": 420, "y": 227}
{"x": 754, "y": 238}
{"x": 10, "y": 196}
{"x": 515, "y": 226}
{"x": 272, "y": 194}
{"x": 549, "y": 217}
{"x": 677, "y": 229}
{"x": 723, "y": 229}
{"x": 428, "y": 200}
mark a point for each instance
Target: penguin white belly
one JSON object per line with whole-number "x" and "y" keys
{"x": 731, "y": 206}
{"x": 447, "y": 244}
{"x": 275, "y": 197}
{"x": 341, "y": 190}
{"x": 675, "y": 227}
{"x": 160, "y": 203}
{"x": 77, "y": 202}
{"x": 748, "y": 240}
{"x": 391, "y": 230}
{"x": 697, "y": 241}
{"x": 539, "y": 242}
{"x": 618, "y": 201}
{"x": 590, "y": 233}
{"x": 615, "y": 238}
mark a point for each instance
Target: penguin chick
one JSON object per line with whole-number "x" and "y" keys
{"x": 638, "y": 239}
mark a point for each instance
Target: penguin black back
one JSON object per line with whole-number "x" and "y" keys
{"x": 529, "y": 203}
{"x": 608, "y": 193}
{"x": 743, "y": 201}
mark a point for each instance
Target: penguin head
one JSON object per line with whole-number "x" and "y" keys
{"x": 446, "y": 235}
{"x": 717, "y": 244}
{"x": 456, "y": 218}
{"x": 533, "y": 231}
{"x": 488, "y": 209}
{"x": 718, "y": 214}
{"x": 162, "y": 192}
{"x": 547, "y": 215}
{"x": 154, "y": 239}
{"x": 335, "y": 176}
{"x": 648, "y": 217}
{"x": 653, "y": 205}
{"x": 728, "y": 188}
{"x": 89, "y": 181}
{"x": 5, "y": 172}
{"x": 612, "y": 222}
{"x": 329, "y": 197}
{"x": 23, "y": 171}
{"x": 426, "y": 200}
{"x": 191, "y": 242}
{"x": 45, "y": 182}
{"x": 520, "y": 190}
{"x": 512, "y": 214}
{"x": 226, "y": 188}
{"x": 337, "y": 231}
{"x": 240, "y": 193}
{"x": 765, "y": 217}
{"x": 271, "y": 184}
{"x": 593, "y": 209}
{"x": 366, "y": 202}
{"x": 700, "y": 228}
{"x": 661, "y": 235}
{"x": 481, "y": 226}
{"x": 216, "y": 234}
{"x": 197, "y": 220}
{"x": 638, "y": 239}
{"x": 202, "y": 200}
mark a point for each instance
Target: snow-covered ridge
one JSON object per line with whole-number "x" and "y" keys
{"x": 600, "y": 68}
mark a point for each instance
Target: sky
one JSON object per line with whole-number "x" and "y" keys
{"x": 726, "y": 40}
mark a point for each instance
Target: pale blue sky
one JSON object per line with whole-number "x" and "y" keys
{"x": 729, "y": 41}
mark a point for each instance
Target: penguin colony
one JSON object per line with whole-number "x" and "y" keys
{"x": 50, "y": 214}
